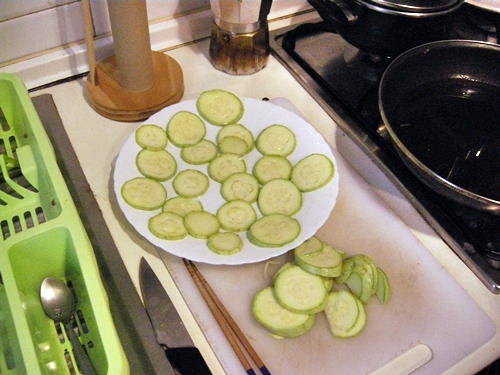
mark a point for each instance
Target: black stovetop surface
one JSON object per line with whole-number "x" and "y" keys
{"x": 344, "y": 81}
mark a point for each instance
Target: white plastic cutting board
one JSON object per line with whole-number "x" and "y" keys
{"x": 427, "y": 307}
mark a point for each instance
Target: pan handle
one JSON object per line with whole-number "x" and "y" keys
{"x": 337, "y": 12}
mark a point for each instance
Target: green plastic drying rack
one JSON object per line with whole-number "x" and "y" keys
{"x": 41, "y": 234}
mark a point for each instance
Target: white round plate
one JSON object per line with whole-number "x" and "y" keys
{"x": 258, "y": 115}
{"x": 493, "y": 5}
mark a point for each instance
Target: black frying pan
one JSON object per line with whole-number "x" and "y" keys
{"x": 440, "y": 103}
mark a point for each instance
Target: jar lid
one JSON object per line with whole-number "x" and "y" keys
{"x": 413, "y": 7}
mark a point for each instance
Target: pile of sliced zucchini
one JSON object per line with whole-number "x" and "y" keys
{"x": 260, "y": 202}
{"x": 304, "y": 287}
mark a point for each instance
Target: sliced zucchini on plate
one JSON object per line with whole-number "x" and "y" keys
{"x": 271, "y": 167}
{"x": 236, "y": 216}
{"x": 220, "y": 107}
{"x": 225, "y": 243}
{"x": 168, "y": 226}
{"x": 144, "y": 193}
{"x": 152, "y": 137}
{"x": 273, "y": 231}
{"x": 233, "y": 145}
{"x": 276, "y": 140}
{"x": 185, "y": 129}
{"x": 201, "y": 153}
{"x": 312, "y": 172}
{"x": 240, "y": 186}
{"x": 182, "y": 206}
{"x": 201, "y": 224}
{"x": 238, "y": 131}
{"x": 279, "y": 196}
{"x": 159, "y": 165}
{"x": 190, "y": 183}
{"x": 226, "y": 165}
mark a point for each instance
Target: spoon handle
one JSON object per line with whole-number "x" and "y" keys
{"x": 82, "y": 359}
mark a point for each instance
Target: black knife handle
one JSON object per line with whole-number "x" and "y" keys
{"x": 187, "y": 361}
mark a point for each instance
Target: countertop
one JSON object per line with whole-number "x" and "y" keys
{"x": 97, "y": 141}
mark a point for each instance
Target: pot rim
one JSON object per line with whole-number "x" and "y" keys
{"x": 412, "y": 8}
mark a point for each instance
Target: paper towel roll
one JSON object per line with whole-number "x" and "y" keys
{"x": 129, "y": 25}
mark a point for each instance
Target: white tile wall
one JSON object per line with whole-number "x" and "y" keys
{"x": 17, "y": 8}
{"x": 51, "y": 24}
{"x": 47, "y": 44}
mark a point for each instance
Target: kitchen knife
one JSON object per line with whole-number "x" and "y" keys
{"x": 170, "y": 331}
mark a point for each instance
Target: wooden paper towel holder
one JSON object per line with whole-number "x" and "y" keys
{"x": 135, "y": 82}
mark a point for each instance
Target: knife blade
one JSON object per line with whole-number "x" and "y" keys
{"x": 170, "y": 331}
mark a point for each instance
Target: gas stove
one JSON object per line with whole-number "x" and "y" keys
{"x": 344, "y": 81}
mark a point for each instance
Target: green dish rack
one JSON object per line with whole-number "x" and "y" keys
{"x": 41, "y": 235}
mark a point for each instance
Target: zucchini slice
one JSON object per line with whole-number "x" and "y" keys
{"x": 182, "y": 206}
{"x": 276, "y": 140}
{"x": 233, "y": 145}
{"x": 190, "y": 183}
{"x": 347, "y": 266}
{"x": 236, "y": 216}
{"x": 342, "y": 310}
{"x": 383, "y": 287}
{"x": 309, "y": 246}
{"x": 201, "y": 153}
{"x": 346, "y": 314}
{"x": 312, "y": 172}
{"x": 185, "y": 129}
{"x": 159, "y": 165}
{"x": 240, "y": 186}
{"x": 362, "y": 261}
{"x": 365, "y": 272}
{"x": 151, "y": 137}
{"x": 273, "y": 231}
{"x": 279, "y": 196}
{"x": 168, "y": 226}
{"x": 225, "y": 243}
{"x": 355, "y": 283}
{"x": 300, "y": 291}
{"x": 225, "y": 165}
{"x": 201, "y": 224}
{"x": 144, "y": 193}
{"x": 328, "y": 281}
{"x": 239, "y": 131}
{"x": 276, "y": 319}
{"x": 271, "y": 167}
{"x": 220, "y": 107}
{"x": 326, "y": 261}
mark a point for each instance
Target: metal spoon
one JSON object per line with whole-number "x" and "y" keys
{"x": 59, "y": 303}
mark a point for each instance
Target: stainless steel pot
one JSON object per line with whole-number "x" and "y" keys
{"x": 440, "y": 103}
{"x": 388, "y": 27}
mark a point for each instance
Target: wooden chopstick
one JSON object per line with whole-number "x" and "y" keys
{"x": 226, "y": 322}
